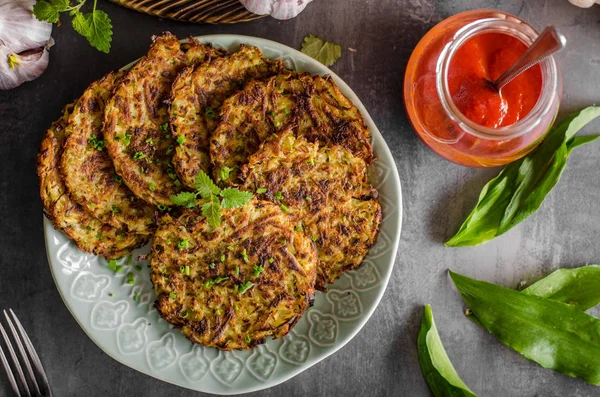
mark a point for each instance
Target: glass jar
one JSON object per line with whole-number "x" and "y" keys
{"x": 436, "y": 118}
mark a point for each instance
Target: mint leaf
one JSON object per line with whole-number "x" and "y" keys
{"x": 44, "y": 11}
{"x": 205, "y": 186}
{"x": 212, "y": 211}
{"x": 185, "y": 199}
{"x": 233, "y": 198}
{"x": 323, "y": 51}
{"x": 99, "y": 33}
{"x": 80, "y": 24}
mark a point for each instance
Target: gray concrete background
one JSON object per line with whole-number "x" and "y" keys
{"x": 382, "y": 359}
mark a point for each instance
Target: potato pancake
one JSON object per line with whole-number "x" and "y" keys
{"x": 88, "y": 233}
{"x": 232, "y": 286}
{"x": 196, "y": 99}
{"x": 326, "y": 192}
{"x": 88, "y": 171}
{"x": 136, "y": 130}
{"x": 264, "y": 108}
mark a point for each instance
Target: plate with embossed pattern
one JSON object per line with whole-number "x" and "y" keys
{"x": 121, "y": 319}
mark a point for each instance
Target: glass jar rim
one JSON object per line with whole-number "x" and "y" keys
{"x": 515, "y": 27}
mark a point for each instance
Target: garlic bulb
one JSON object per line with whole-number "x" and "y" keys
{"x": 584, "y": 3}
{"x": 278, "y": 9}
{"x": 24, "y": 43}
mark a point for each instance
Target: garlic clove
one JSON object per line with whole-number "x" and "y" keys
{"x": 278, "y": 9}
{"x": 19, "y": 28}
{"x": 583, "y": 3}
{"x": 15, "y": 69}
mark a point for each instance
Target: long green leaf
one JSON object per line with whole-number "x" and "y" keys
{"x": 553, "y": 334}
{"x": 579, "y": 287}
{"x": 435, "y": 364}
{"x": 520, "y": 188}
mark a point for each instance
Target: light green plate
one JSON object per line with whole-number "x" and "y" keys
{"x": 131, "y": 331}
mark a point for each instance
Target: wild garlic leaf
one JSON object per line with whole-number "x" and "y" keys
{"x": 212, "y": 211}
{"x": 521, "y": 187}
{"x": 205, "y": 186}
{"x": 185, "y": 199}
{"x": 553, "y": 334}
{"x": 578, "y": 287}
{"x": 233, "y": 198}
{"x": 435, "y": 363}
{"x": 323, "y": 51}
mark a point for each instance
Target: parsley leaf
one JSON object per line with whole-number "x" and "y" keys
{"x": 212, "y": 212}
{"x": 205, "y": 186}
{"x": 185, "y": 199}
{"x": 323, "y": 51}
{"x": 233, "y": 198}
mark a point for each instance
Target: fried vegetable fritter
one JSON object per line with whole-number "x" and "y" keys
{"x": 232, "y": 286}
{"x": 264, "y": 108}
{"x": 88, "y": 171}
{"x": 136, "y": 128}
{"x": 196, "y": 99}
{"x": 326, "y": 192}
{"x": 88, "y": 233}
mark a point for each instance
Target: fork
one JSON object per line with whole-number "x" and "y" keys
{"x": 16, "y": 376}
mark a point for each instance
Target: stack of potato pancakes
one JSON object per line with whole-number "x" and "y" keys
{"x": 194, "y": 119}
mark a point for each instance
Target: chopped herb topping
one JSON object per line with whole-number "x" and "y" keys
{"x": 278, "y": 196}
{"x": 245, "y": 255}
{"x": 180, "y": 140}
{"x": 119, "y": 268}
{"x": 299, "y": 228}
{"x": 212, "y": 265}
{"x": 209, "y": 113}
{"x": 215, "y": 281}
{"x": 164, "y": 127}
{"x": 187, "y": 270}
{"x": 149, "y": 141}
{"x": 222, "y": 257}
{"x": 344, "y": 218}
{"x": 126, "y": 139}
{"x": 118, "y": 179}
{"x": 258, "y": 269}
{"x": 184, "y": 314}
{"x": 138, "y": 156}
{"x": 245, "y": 286}
{"x": 237, "y": 270}
{"x": 112, "y": 265}
{"x": 230, "y": 247}
{"x": 224, "y": 173}
{"x": 151, "y": 187}
{"x": 311, "y": 161}
{"x": 308, "y": 198}
{"x": 284, "y": 208}
{"x": 183, "y": 244}
{"x": 130, "y": 278}
{"x": 136, "y": 296}
{"x": 271, "y": 260}
{"x": 261, "y": 190}
{"x": 172, "y": 295}
{"x": 170, "y": 149}
{"x": 248, "y": 339}
{"x": 114, "y": 210}
{"x": 314, "y": 238}
{"x": 111, "y": 294}
{"x": 218, "y": 312}
{"x": 138, "y": 268}
{"x": 96, "y": 143}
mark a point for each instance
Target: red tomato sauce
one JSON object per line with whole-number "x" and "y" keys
{"x": 486, "y": 57}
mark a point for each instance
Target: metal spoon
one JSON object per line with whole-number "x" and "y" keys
{"x": 547, "y": 43}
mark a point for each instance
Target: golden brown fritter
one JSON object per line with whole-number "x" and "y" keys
{"x": 264, "y": 108}
{"x": 88, "y": 171}
{"x": 196, "y": 99}
{"x": 88, "y": 233}
{"x": 136, "y": 128}
{"x": 326, "y": 192}
{"x": 232, "y": 286}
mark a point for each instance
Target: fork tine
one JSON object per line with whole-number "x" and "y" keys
{"x": 22, "y": 352}
{"x": 15, "y": 361}
{"x": 34, "y": 356}
{"x": 11, "y": 377}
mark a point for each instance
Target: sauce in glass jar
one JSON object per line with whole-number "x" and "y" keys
{"x": 457, "y": 113}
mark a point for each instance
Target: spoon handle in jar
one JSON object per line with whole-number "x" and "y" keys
{"x": 547, "y": 43}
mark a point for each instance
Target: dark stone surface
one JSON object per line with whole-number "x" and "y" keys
{"x": 382, "y": 359}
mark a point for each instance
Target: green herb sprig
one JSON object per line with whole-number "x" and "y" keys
{"x": 95, "y": 26}
{"x": 216, "y": 197}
